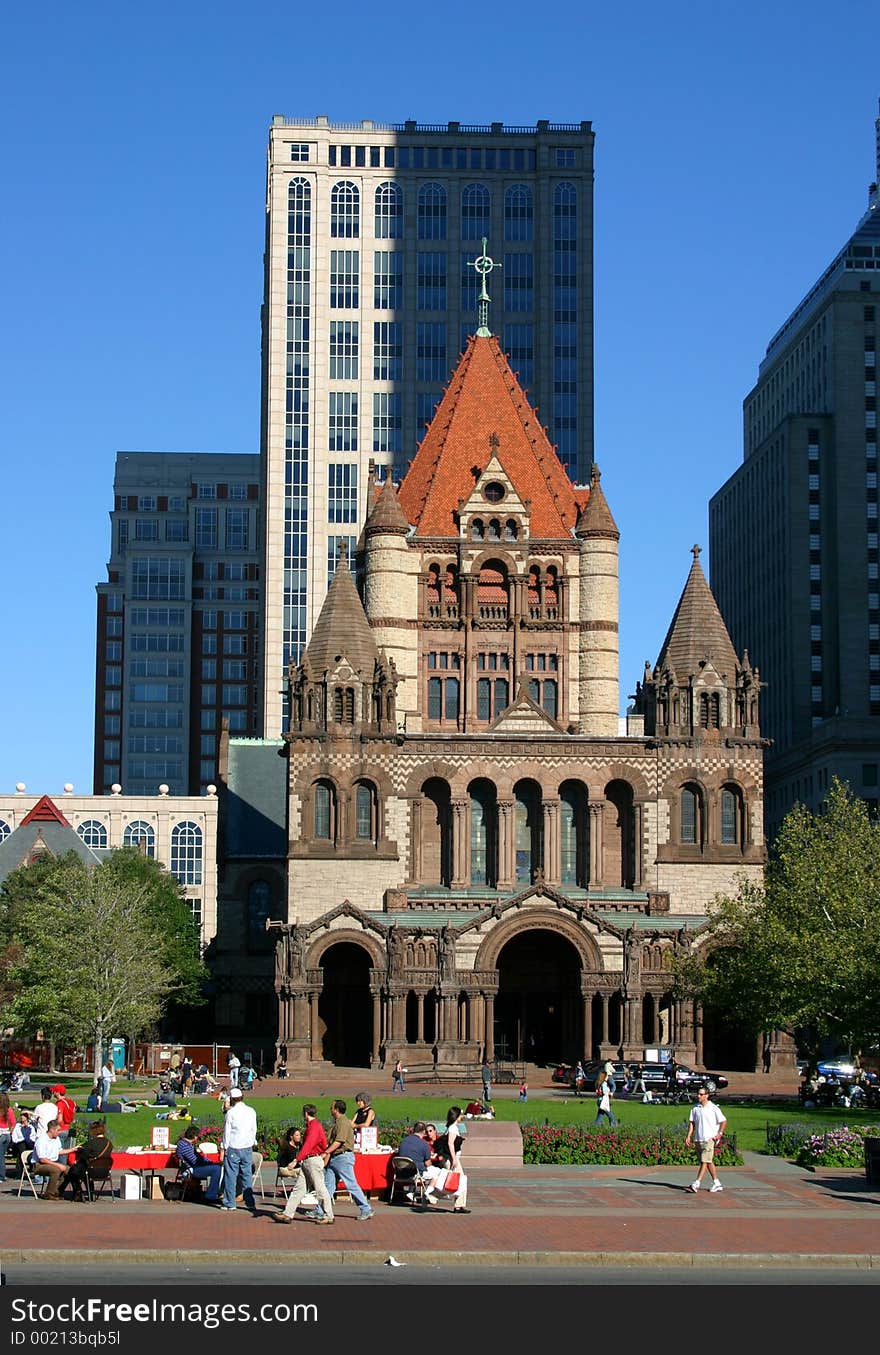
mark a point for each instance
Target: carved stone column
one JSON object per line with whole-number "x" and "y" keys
{"x": 420, "y": 1017}
{"x": 461, "y": 855}
{"x": 414, "y": 875}
{"x": 596, "y": 812}
{"x": 489, "y": 1037}
{"x": 587, "y": 999}
{"x": 698, "y": 1033}
{"x": 376, "y": 1034}
{"x": 552, "y": 843}
{"x": 314, "y": 1033}
{"x": 506, "y": 844}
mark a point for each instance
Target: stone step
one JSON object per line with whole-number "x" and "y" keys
{"x": 492, "y": 1144}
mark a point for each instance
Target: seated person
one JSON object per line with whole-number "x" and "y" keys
{"x": 445, "y": 1149}
{"x": 165, "y": 1096}
{"x": 46, "y": 1159}
{"x": 23, "y": 1137}
{"x": 473, "y": 1108}
{"x": 415, "y": 1146}
{"x": 288, "y": 1148}
{"x": 365, "y": 1115}
{"x": 190, "y": 1155}
{"x": 95, "y": 1156}
{"x": 93, "y": 1104}
{"x": 282, "y": 1069}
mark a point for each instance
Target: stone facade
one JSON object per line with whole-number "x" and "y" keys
{"x": 478, "y": 862}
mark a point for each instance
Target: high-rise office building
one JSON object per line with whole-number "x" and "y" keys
{"x": 178, "y": 619}
{"x": 795, "y": 557}
{"x": 370, "y": 295}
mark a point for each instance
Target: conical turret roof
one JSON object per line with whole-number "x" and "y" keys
{"x": 485, "y": 411}
{"x": 697, "y": 631}
{"x": 386, "y": 514}
{"x": 595, "y": 518}
{"x": 342, "y": 630}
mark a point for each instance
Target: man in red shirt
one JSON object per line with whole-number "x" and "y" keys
{"x": 311, "y": 1158}
{"x": 65, "y": 1108}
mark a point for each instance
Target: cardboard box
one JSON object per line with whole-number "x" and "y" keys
{"x": 132, "y": 1186}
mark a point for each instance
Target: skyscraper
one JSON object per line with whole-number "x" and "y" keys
{"x": 370, "y": 295}
{"x": 795, "y": 563}
{"x": 178, "y": 619}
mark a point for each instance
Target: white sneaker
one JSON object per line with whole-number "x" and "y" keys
{"x": 695, "y": 1187}
{"x": 715, "y": 1187}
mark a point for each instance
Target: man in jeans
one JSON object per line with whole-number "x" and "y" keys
{"x": 311, "y": 1158}
{"x": 239, "y": 1137}
{"x": 339, "y": 1161}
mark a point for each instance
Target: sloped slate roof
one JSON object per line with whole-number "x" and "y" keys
{"x": 58, "y": 838}
{"x": 697, "y": 630}
{"x": 484, "y": 400}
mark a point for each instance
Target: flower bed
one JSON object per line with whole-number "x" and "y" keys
{"x": 569, "y": 1144}
{"x": 842, "y": 1147}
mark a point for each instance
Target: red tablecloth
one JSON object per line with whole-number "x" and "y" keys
{"x": 157, "y": 1161}
{"x": 373, "y": 1170}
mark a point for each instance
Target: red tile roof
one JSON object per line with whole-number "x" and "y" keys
{"x": 484, "y": 399}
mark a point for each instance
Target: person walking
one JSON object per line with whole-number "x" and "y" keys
{"x": 486, "y": 1077}
{"x": 311, "y": 1158}
{"x": 236, "y": 1151}
{"x": 603, "y": 1099}
{"x": 609, "y": 1073}
{"x": 7, "y": 1124}
{"x": 339, "y": 1161}
{"x": 579, "y": 1078}
{"x": 523, "y": 1091}
{"x": 397, "y": 1082}
{"x": 706, "y": 1127}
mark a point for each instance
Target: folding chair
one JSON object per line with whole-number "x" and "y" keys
{"x": 30, "y": 1176}
{"x": 406, "y": 1180}
{"x": 257, "y": 1173}
{"x": 100, "y": 1176}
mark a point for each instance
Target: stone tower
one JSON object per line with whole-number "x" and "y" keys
{"x": 391, "y": 584}
{"x": 599, "y": 644}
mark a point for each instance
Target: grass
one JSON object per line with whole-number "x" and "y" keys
{"x": 747, "y": 1120}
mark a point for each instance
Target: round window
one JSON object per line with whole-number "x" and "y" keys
{"x": 494, "y": 491}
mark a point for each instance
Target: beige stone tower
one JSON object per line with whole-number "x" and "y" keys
{"x": 391, "y": 589}
{"x": 599, "y": 647}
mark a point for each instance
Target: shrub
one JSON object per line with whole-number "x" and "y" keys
{"x": 843, "y": 1147}
{"x": 786, "y": 1140}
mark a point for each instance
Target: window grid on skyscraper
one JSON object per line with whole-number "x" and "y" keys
{"x": 431, "y": 362}
{"x": 475, "y": 212}
{"x": 387, "y": 421}
{"x": 387, "y": 280}
{"x": 296, "y": 438}
{"x": 344, "y": 279}
{"x": 345, "y": 211}
{"x": 342, "y": 431}
{"x": 388, "y": 222}
{"x": 344, "y": 336}
{"x": 564, "y": 425}
{"x": 431, "y": 281}
{"x": 387, "y": 350}
{"x": 519, "y": 282}
{"x": 342, "y": 493}
{"x": 432, "y": 212}
{"x": 519, "y": 213}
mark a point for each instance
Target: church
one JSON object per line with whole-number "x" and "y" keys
{"x": 458, "y": 847}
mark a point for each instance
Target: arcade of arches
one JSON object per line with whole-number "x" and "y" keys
{"x": 546, "y": 997}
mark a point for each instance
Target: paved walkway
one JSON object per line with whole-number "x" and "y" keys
{"x": 770, "y": 1212}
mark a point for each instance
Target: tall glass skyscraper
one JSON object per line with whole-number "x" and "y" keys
{"x": 370, "y": 293}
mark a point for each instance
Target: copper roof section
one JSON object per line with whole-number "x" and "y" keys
{"x": 484, "y": 400}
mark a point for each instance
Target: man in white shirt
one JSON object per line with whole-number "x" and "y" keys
{"x": 108, "y": 1077}
{"x": 234, "y": 1064}
{"x": 706, "y": 1124}
{"x": 236, "y": 1151}
{"x": 45, "y": 1112}
{"x": 47, "y": 1151}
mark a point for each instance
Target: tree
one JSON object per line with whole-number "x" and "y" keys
{"x": 802, "y": 952}
{"x": 101, "y": 950}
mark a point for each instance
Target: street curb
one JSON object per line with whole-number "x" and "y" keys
{"x": 488, "y": 1259}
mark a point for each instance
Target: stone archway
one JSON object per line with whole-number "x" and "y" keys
{"x": 345, "y": 1017}
{"x": 539, "y": 1006}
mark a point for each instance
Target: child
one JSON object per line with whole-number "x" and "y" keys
{"x": 524, "y": 1091}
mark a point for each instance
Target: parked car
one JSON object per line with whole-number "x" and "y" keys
{"x": 654, "y": 1076}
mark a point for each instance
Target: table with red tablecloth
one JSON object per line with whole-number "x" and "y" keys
{"x": 373, "y": 1172}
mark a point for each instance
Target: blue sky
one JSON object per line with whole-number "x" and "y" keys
{"x": 734, "y": 146}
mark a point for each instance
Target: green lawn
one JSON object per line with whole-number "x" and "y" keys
{"x": 747, "y": 1121}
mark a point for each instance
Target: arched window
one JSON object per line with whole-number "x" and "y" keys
{"x": 186, "y": 853}
{"x": 476, "y": 529}
{"x": 574, "y": 834}
{"x": 5, "y": 830}
{"x": 564, "y": 212}
{"x": 732, "y": 816}
{"x": 494, "y": 530}
{"x": 475, "y": 212}
{"x": 691, "y": 815}
{"x": 365, "y": 812}
{"x": 528, "y": 825}
{"x": 433, "y": 591}
{"x": 141, "y": 835}
{"x": 518, "y": 212}
{"x": 389, "y": 212}
{"x": 483, "y": 833}
{"x": 343, "y": 705}
{"x": 510, "y": 530}
{"x": 93, "y": 833}
{"x": 259, "y": 903}
{"x": 325, "y": 811}
{"x": 710, "y": 710}
{"x": 345, "y": 210}
{"x": 432, "y": 212}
